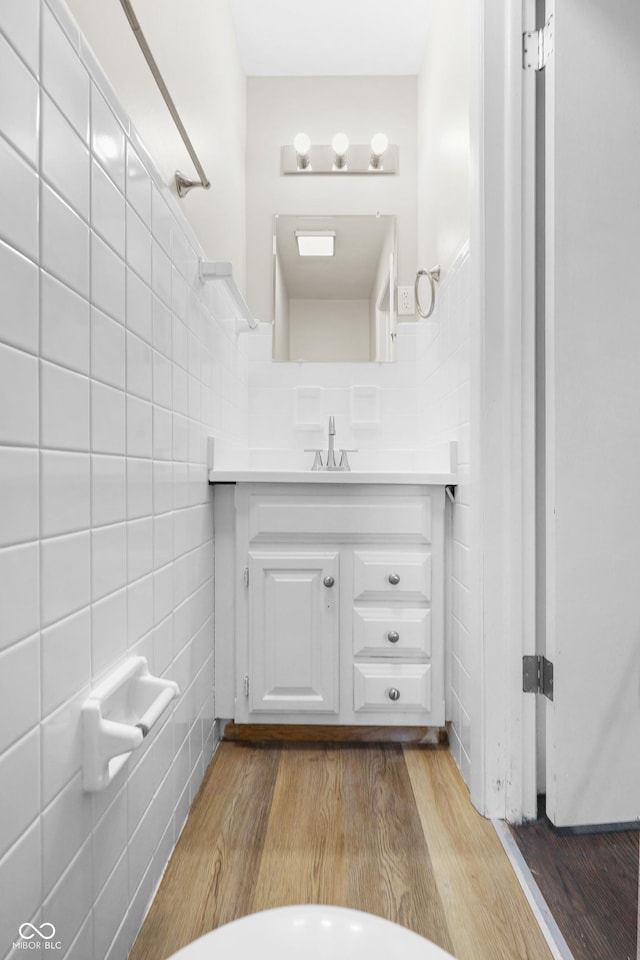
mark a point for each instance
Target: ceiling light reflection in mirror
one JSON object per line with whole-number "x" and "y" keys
{"x": 339, "y": 305}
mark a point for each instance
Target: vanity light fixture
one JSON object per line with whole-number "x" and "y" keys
{"x": 315, "y": 243}
{"x": 340, "y": 157}
{"x": 340, "y": 145}
{"x": 302, "y": 147}
{"x": 379, "y": 144}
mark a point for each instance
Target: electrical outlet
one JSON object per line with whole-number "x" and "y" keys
{"x": 406, "y": 301}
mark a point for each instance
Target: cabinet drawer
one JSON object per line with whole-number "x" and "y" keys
{"x": 376, "y": 684}
{"x": 391, "y": 632}
{"x": 405, "y": 576}
{"x": 340, "y": 516}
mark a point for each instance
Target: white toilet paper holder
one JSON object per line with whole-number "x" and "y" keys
{"x": 117, "y": 716}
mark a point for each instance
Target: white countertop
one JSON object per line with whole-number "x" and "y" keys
{"x": 330, "y": 476}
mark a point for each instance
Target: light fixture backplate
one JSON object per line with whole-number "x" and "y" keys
{"x": 322, "y": 161}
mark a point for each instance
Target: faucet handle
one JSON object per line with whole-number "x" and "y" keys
{"x": 317, "y": 460}
{"x": 344, "y": 459}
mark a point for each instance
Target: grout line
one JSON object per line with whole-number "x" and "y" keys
{"x": 544, "y": 918}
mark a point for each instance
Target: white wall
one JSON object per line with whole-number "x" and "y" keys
{"x": 280, "y": 107}
{"x": 443, "y": 342}
{"x": 281, "y": 346}
{"x": 443, "y": 397}
{"x": 344, "y": 325}
{"x": 277, "y": 109}
{"x": 374, "y": 404}
{"x": 196, "y": 51}
{"x": 443, "y": 136}
{"x": 113, "y": 369}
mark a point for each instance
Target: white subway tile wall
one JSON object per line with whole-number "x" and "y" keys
{"x": 443, "y": 401}
{"x": 113, "y": 371}
{"x": 374, "y": 404}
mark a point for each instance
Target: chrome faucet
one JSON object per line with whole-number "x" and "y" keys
{"x": 331, "y": 454}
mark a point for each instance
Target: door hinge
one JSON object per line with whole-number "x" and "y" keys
{"x": 537, "y": 47}
{"x": 246, "y": 576}
{"x": 246, "y": 685}
{"x": 537, "y": 675}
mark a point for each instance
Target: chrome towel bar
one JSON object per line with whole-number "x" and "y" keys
{"x": 183, "y": 184}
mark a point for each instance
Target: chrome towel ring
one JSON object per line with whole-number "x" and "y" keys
{"x": 433, "y": 276}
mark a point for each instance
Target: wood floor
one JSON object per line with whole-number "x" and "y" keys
{"x": 387, "y": 829}
{"x": 590, "y": 884}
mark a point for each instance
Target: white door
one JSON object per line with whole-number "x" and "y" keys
{"x": 293, "y": 632}
{"x": 592, "y": 393}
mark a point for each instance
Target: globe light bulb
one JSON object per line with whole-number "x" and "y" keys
{"x": 301, "y": 144}
{"x": 340, "y": 144}
{"x": 379, "y": 144}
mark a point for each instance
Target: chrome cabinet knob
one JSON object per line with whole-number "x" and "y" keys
{"x": 328, "y": 581}
{"x": 393, "y": 636}
{"x": 394, "y": 693}
{"x": 394, "y": 578}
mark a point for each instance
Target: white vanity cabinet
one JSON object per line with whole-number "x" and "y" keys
{"x": 293, "y": 631}
{"x": 338, "y": 606}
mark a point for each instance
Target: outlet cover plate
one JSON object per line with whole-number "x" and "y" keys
{"x": 406, "y": 301}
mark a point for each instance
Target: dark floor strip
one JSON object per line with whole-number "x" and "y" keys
{"x": 590, "y": 883}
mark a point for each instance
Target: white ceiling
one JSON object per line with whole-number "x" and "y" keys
{"x": 351, "y": 273}
{"x": 331, "y": 37}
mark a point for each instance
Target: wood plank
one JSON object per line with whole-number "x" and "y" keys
{"x": 332, "y": 733}
{"x": 486, "y": 910}
{"x": 350, "y": 825}
{"x": 211, "y": 876}
{"x": 344, "y": 830}
{"x": 590, "y": 882}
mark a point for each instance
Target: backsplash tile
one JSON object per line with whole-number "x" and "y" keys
{"x": 107, "y": 209}
{"x": 19, "y": 298}
{"x": 19, "y": 592}
{"x": 107, "y": 139}
{"x": 65, "y": 336}
{"x": 20, "y": 702}
{"x": 19, "y": 202}
{"x": 18, "y": 397}
{"x": 65, "y": 159}
{"x": 65, "y": 243}
{"x": 19, "y": 788}
{"x": 113, "y": 370}
{"x": 18, "y": 495}
{"x": 21, "y": 26}
{"x": 19, "y": 111}
{"x": 64, "y": 76}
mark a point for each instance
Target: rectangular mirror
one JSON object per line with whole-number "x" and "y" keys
{"x": 334, "y": 280}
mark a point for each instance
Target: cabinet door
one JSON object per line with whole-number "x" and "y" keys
{"x": 293, "y": 632}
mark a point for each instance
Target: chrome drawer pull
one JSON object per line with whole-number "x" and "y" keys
{"x": 394, "y": 693}
{"x": 393, "y": 636}
{"x": 394, "y": 578}
{"x": 328, "y": 581}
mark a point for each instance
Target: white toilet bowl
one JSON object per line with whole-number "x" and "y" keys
{"x": 311, "y": 932}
